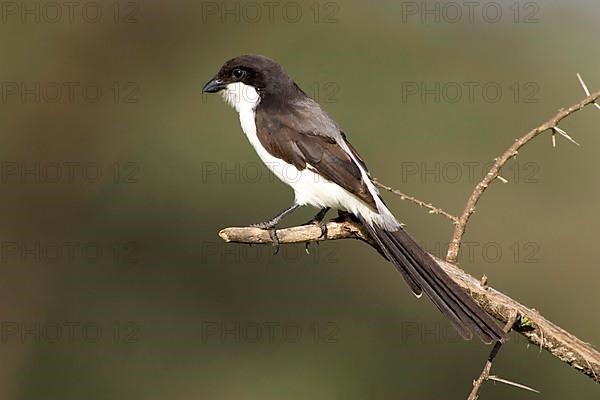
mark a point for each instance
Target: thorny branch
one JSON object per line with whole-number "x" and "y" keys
{"x": 566, "y": 347}
{"x": 537, "y": 329}
{"x": 500, "y": 161}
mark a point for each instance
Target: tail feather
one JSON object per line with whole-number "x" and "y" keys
{"x": 423, "y": 274}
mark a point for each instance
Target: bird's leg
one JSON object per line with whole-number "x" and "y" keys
{"x": 276, "y": 219}
{"x": 270, "y": 225}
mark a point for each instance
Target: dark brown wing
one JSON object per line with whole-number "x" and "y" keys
{"x": 307, "y": 138}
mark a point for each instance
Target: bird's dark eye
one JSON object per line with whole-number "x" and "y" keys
{"x": 238, "y": 73}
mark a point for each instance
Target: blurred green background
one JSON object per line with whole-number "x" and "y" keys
{"x": 166, "y": 310}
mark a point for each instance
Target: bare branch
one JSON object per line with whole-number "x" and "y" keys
{"x": 500, "y": 161}
{"x": 296, "y": 234}
{"x": 538, "y": 330}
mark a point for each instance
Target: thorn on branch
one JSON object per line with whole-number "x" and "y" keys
{"x": 586, "y": 90}
{"x": 511, "y": 383}
{"x": 564, "y": 134}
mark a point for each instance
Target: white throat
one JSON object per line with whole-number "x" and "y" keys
{"x": 243, "y": 98}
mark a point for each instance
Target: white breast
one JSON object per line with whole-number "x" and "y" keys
{"x": 309, "y": 187}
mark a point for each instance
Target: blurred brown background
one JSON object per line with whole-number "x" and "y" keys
{"x": 117, "y": 174}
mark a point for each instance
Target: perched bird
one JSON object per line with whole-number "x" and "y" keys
{"x": 304, "y": 147}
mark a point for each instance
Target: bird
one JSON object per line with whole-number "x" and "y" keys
{"x": 305, "y": 148}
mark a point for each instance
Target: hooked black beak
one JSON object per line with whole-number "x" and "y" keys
{"x": 213, "y": 86}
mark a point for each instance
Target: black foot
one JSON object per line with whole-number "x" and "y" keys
{"x": 319, "y": 221}
{"x": 321, "y": 224}
{"x": 274, "y": 239}
{"x": 270, "y": 227}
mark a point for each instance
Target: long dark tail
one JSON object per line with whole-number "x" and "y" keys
{"x": 423, "y": 274}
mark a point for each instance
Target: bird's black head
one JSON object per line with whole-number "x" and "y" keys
{"x": 259, "y": 72}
